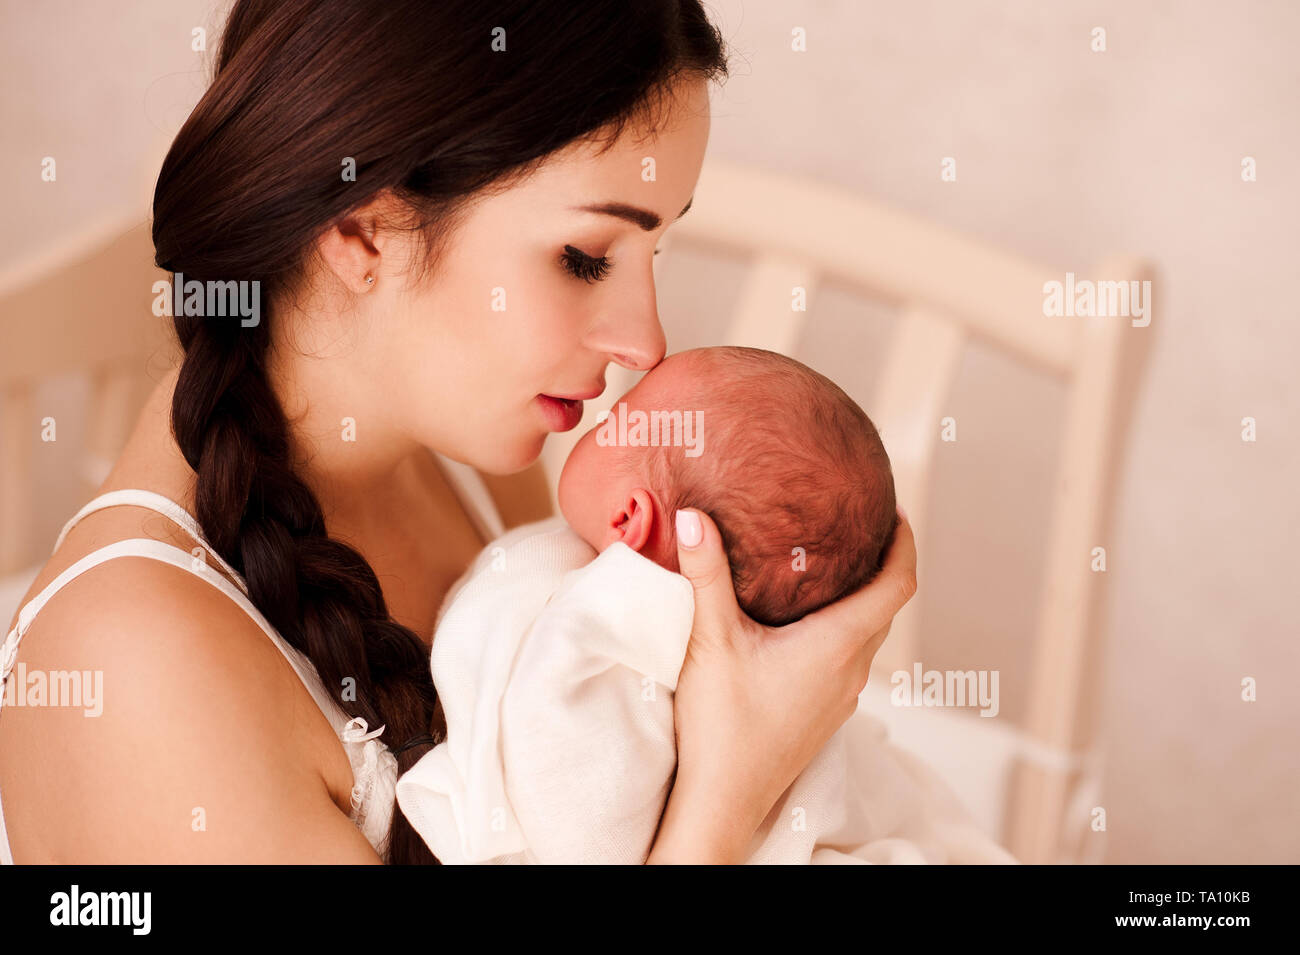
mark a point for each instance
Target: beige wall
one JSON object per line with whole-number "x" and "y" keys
{"x": 1064, "y": 155}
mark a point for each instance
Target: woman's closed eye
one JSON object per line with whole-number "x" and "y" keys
{"x": 589, "y": 268}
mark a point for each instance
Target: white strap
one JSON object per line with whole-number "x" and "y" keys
{"x": 29, "y": 610}
{"x": 136, "y": 497}
{"x": 167, "y": 554}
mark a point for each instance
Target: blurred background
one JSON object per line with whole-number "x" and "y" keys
{"x": 1066, "y": 157}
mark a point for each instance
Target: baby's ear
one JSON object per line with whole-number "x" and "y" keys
{"x": 634, "y": 524}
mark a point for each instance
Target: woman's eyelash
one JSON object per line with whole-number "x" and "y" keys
{"x": 586, "y": 267}
{"x": 583, "y": 266}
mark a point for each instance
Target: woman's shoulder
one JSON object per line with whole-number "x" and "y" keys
{"x": 161, "y": 704}
{"x": 163, "y": 650}
{"x": 137, "y": 609}
{"x": 142, "y": 601}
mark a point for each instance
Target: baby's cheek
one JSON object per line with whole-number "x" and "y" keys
{"x": 574, "y": 493}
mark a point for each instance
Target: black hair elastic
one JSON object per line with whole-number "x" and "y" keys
{"x": 425, "y": 740}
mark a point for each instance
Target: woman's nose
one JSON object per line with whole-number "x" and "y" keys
{"x": 633, "y": 339}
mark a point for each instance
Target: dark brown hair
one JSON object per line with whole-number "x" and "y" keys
{"x": 415, "y": 93}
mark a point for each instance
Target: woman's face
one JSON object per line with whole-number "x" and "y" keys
{"x": 464, "y": 363}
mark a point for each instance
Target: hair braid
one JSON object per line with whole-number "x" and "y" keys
{"x": 320, "y": 594}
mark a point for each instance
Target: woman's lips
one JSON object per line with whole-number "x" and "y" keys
{"x": 562, "y": 414}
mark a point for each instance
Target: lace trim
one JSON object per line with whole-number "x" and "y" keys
{"x": 373, "y": 797}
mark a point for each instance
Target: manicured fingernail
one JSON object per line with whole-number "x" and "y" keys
{"x": 689, "y": 530}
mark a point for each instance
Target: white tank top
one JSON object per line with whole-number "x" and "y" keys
{"x": 374, "y": 768}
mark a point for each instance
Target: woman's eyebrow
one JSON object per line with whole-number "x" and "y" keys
{"x": 647, "y": 220}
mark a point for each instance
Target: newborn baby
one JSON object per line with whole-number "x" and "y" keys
{"x": 557, "y": 654}
{"x": 790, "y": 469}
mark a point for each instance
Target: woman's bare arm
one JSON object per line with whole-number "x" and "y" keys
{"x": 207, "y": 748}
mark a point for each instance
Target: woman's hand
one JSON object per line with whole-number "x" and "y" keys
{"x": 754, "y": 704}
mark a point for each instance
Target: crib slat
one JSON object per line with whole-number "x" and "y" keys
{"x": 764, "y": 315}
{"x": 907, "y": 409}
{"x": 1099, "y": 399}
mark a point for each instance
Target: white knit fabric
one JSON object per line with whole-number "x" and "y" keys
{"x": 556, "y": 669}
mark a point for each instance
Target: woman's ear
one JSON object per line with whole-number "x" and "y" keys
{"x": 634, "y": 522}
{"x": 352, "y": 247}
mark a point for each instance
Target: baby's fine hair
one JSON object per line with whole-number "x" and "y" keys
{"x": 794, "y": 475}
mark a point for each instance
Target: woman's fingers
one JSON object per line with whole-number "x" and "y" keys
{"x": 900, "y": 564}
{"x": 702, "y": 560}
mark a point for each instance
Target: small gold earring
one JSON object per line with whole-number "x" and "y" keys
{"x": 370, "y": 280}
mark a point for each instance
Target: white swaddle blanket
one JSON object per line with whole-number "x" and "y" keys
{"x": 556, "y": 668}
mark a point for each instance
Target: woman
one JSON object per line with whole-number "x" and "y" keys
{"x": 448, "y": 212}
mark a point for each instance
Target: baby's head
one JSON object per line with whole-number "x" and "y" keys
{"x": 790, "y": 469}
